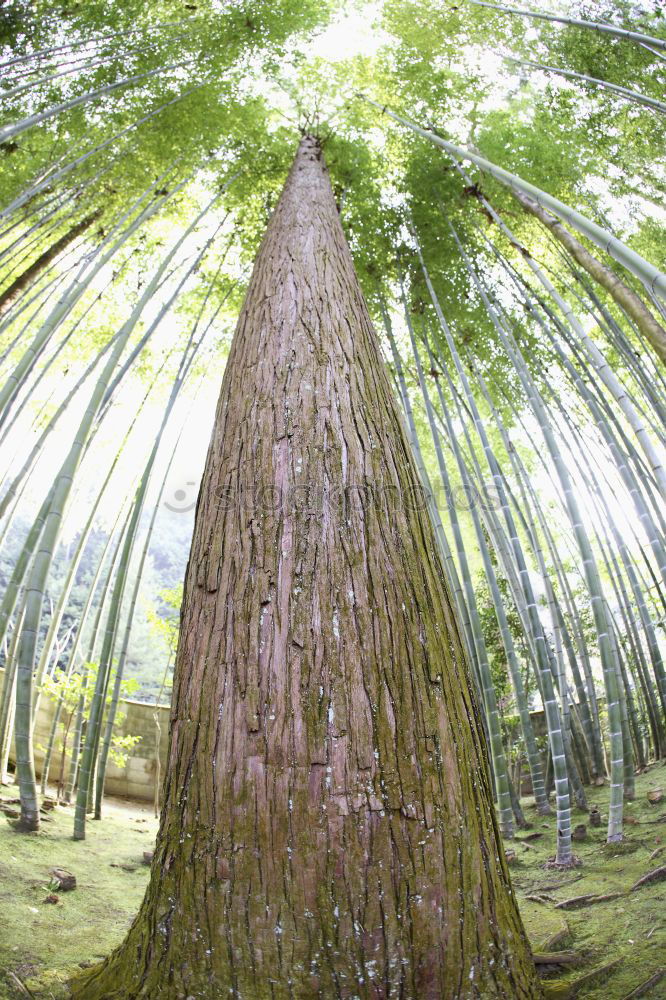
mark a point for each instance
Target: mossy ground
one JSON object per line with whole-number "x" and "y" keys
{"x": 632, "y": 928}
{"x": 42, "y": 944}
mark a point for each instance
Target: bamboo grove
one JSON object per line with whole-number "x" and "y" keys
{"x": 512, "y": 258}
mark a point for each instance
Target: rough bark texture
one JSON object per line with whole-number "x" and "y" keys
{"x": 624, "y": 296}
{"x": 9, "y": 296}
{"x": 327, "y": 828}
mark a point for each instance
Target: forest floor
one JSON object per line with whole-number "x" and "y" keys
{"x": 619, "y": 943}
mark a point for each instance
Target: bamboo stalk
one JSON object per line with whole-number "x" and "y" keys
{"x": 498, "y": 756}
{"x": 564, "y": 852}
{"x": 630, "y": 95}
{"x": 608, "y": 29}
{"x": 590, "y": 569}
{"x": 533, "y": 756}
{"x": 61, "y": 490}
{"x": 11, "y": 131}
{"x": 651, "y": 276}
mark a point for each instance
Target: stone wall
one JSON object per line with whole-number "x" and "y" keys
{"x": 137, "y": 779}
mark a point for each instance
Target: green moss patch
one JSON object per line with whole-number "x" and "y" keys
{"x": 630, "y": 928}
{"x": 41, "y": 943}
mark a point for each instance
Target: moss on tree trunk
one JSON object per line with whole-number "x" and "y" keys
{"x": 327, "y": 827}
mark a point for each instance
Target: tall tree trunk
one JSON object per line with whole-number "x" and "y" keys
{"x": 327, "y": 827}
{"x": 623, "y": 295}
{"x": 31, "y": 273}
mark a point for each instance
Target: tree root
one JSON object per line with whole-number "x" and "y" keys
{"x": 554, "y": 941}
{"x": 646, "y": 986}
{"x": 556, "y": 957}
{"x": 656, "y": 875}
{"x": 576, "y": 902}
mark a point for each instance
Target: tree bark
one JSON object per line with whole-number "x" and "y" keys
{"x": 12, "y": 292}
{"x": 624, "y": 296}
{"x": 327, "y": 827}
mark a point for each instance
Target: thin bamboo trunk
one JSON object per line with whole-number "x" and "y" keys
{"x": 630, "y": 95}
{"x": 58, "y": 612}
{"x": 607, "y": 29}
{"x": 80, "y": 709}
{"x": 22, "y": 564}
{"x": 8, "y": 706}
{"x": 524, "y": 511}
{"x": 564, "y": 854}
{"x": 623, "y": 295}
{"x": 11, "y": 131}
{"x": 654, "y": 456}
{"x": 650, "y": 275}
{"x": 533, "y": 756}
{"x": 42, "y": 562}
{"x": 124, "y": 649}
{"x": 498, "y": 756}
{"x": 74, "y": 291}
{"x": 186, "y": 362}
{"x": 590, "y": 569}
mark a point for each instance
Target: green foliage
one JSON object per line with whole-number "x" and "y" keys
{"x": 165, "y": 621}
{"x": 69, "y": 691}
{"x": 121, "y": 748}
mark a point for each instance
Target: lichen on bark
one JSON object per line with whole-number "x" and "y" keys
{"x": 327, "y": 827}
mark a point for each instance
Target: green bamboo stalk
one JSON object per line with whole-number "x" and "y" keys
{"x": 533, "y": 756}
{"x": 450, "y": 569}
{"x": 613, "y": 570}
{"x": 42, "y": 562}
{"x": 563, "y": 806}
{"x": 115, "y": 698}
{"x": 585, "y": 691}
{"x": 8, "y": 706}
{"x": 607, "y": 29}
{"x": 524, "y": 515}
{"x": 590, "y": 568}
{"x": 626, "y": 473}
{"x": 56, "y": 617}
{"x": 76, "y": 289}
{"x": 648, "y": 274}
{"x": 496, "y": 534}
{"x": 11, "y": 293}
{"x": 645, "y": 369}
{"x": 605, "y": 428}
{"x": 631, "y": 95}
{"x": 186, "y": 363}
{"x": 530, "y": 502}
{"x": 80, "y": 710}
{"x": 55, "y": 176}
{"x": 46, "y": 765}
{"x": 657, "y": 462}
{"x": 65, "y": 340}
{"x": 498, "y": 756}
{"x": 89, "y": 755}
{"x": 624, "y": 693}
{"x": 11, "y": 131}
{"x": 652, "y": 709}
{"x": 22, "y": 564}
{"x": 651, "y": 531}
{"x": 636, "y": 589}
